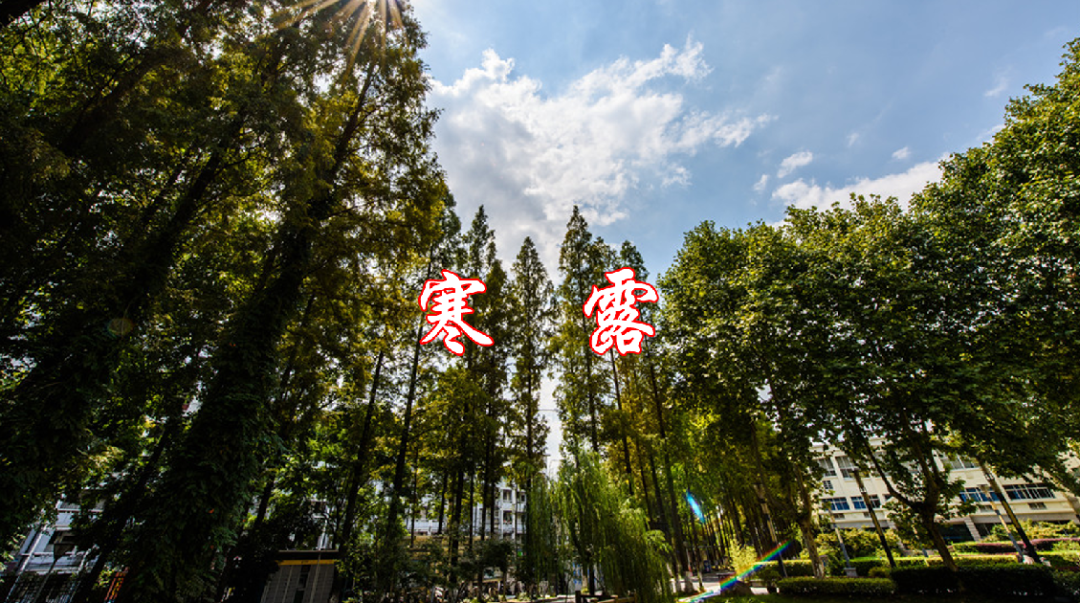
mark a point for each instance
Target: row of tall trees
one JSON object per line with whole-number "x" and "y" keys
{"x": 899, "y": 333}
{"x": 218, "y": 216}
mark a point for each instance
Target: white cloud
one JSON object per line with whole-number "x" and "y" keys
{"x": 761, "y": 183}
{"x": 852, "y": 139}
{"x": 805, "y": 195}
{"x": 987, "y": 135}
{"x": 1001, "y": 83}
{"x": 529, "y": 157}
{"x": 790, "y": 164}
{"x": 901, "y": 154}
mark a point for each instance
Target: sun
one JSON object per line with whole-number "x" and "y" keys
{"x": 358, "y": 15}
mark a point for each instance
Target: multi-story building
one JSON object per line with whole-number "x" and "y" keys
{"x": 509, "y": 516}
{"x": 46, "y": 559}
{"x": 1030, "y": 499}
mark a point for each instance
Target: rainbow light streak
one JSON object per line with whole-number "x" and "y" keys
{"x": 773, "y": 554}
{"x": 695, "y": 507}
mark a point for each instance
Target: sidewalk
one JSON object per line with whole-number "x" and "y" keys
{"x": 711, "y": 581}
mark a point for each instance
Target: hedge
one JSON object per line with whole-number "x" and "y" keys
{"x": 1014, "y": 580}
{"x": 1068, "y": 583}
{"x": 1000, "y": 548}
{"x": 990, "y": 580}
{"x": 871, "y": 587}
{"x": 935, "y": 580}
{"x": 794, "y": 567}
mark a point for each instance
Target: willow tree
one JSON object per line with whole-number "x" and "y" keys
{"x": 609, "y": 533}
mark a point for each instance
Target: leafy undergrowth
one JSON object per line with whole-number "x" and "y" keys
{"x": 890, "y": 599}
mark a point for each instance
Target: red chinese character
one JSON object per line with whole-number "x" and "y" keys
{"x": 447, "y": 314}
{"x": 616, "y": 321}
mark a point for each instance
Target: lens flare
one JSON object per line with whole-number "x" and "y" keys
{"x": 358, "y": 15}
{"x": 695, "y": 507}
{"x": 773, "y": 554}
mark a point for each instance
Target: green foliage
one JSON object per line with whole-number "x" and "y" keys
{"x": 742, "y": 558}
{"x": 608, "y": 532}
{"x": 794, "y": 567}
{"x": 880, "y": 571}
{"x": 1036, "y": 529}
{"x": 1068, "y": 583}
{"x": 859, "y": 543}
{"x": 844, "y": 587}
{"x": 1005, "y": 581}
{"x": 544, "y": 554}
{"x": 936, "y": 580}
{"x": 990, "y": 580}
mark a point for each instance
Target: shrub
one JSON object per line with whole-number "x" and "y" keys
{"x": 768, "y": 573}
{"x": 880, "y": 572}
{"x": 990, "y": 580}
{"x": 859, "y": 543}
{"x": 863, "y": 587}
{"x": 794, "y": 567}
{"x": 964, "y": 548}
{"x": 1041, "y": 544}
{"x": 1039, "y": 529}
{"x": 936, "y": 580}
{"x": 1062, "y": 559}
{"x": 742, "y": 558}
{"x": 864, "y": 565}
{"x": 979, "y": 560}
{"x": 1010, "y": 580}
{"x": 1068, "y": 583}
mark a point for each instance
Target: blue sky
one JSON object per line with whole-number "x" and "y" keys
{"x": 655, "y": 115}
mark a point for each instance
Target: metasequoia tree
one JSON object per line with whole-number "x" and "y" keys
{"x": 86, "y": 279}
{"x": 362, "y": 160}
{"x": 582, "y": 383}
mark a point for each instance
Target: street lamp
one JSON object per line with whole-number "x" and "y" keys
{"x": 849, "y": 570}
{"x": 873, "y": 517}
{"x": 990, "y": 499}
{"x": 760, "y": 490}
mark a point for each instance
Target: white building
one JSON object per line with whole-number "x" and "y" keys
{"x": 509, "y": 516}
{"x": 47, "y": 549}
{"x": 1031, "y": 499}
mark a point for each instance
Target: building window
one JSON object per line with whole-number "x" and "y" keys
{"x": 506, "y": 496}
{"x": 957, "y": 462}
{"x": 826, "y": 484}
{"x": 827, "y": 467}
{"x": 1028, "y": 491}
{"x": 1037, "y": 506}
{"x": 977, "y": 495}
{"x": 858, "y": 502}
{"x": 836, "y": 504}
{"x": 847, "y": 468}
{"x": 508, "y": 517}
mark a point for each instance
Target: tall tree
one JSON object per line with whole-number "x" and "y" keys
{"x": 582, "y": 386}
{"x": 118, "y": 260}
{"x": 362, "y": 165}
{"x": 532, "y": 299}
